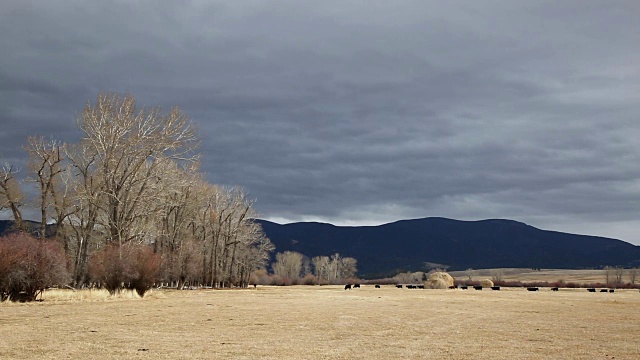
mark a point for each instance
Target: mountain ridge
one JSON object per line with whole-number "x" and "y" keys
{"x": 405, "y": 245}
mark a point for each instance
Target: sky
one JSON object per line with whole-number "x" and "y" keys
{"x": 360, "y": 112}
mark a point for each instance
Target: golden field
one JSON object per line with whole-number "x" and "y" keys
{"x": 324, "y": 322}
{"x": 526, "y": 275}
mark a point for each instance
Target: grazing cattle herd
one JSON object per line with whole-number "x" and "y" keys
{"x": 465, "y": 287}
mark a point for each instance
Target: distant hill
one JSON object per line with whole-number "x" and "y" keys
{"x": 406, "y": 245}
{"x": 33, "y": 227}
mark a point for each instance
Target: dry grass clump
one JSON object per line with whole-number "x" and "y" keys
{"x": 64, "y": 295}
{"x": 486, "y": 283}
{"x": 439, "y": 280}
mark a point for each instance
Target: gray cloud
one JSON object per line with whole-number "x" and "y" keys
{"x": 359, "y": 113}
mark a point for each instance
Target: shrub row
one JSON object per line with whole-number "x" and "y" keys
{"x": 28, "y": 266}
{"x": 559, "y": 284}
{"x": 262, "y": 277}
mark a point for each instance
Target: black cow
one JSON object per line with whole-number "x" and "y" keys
{"x": 347, "y": 287}
{"x": 356, "y": 286}
{"x": 464, "y": 287}
{"x": 399, "y": 286}
{"x": 377, "y": 286}
{"x": 495, "y": 288}
{"x": 591, "y": 290}
{"x": 420, "y": 286}
{"x": 603, "y": 290}
{"x": 532, "y": 289}
{"x": 411, "y": 286}
{"x": 611, "y": 290}
{"x": 478, "y": 287}
{"x": 453, "y": 287}
{"x": 554, "y": 289}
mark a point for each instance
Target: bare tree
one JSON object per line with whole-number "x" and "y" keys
{"x": 174, "y": 211}
{"x": 335, "y": 266}
{"x": 254, "y": 253}
{"x": 349, "y": 267}
{"x": 334, "y": 269}
{"x": 497, "y": 274}
{"x": 619, "y": 273}
{"x": 633, "y": 274}
{"x": 410, "y": 277}
{"x": 129, "y": 146}
{"x": 288, "y": 265}
{"x": 608, "y": 274}
{"x": 321, "y": 266}
{"x": 11, "y": 195}
{"x": 45, "y": 166}
{"x": 85, "y": 234}
{"x": 469, "y": 273}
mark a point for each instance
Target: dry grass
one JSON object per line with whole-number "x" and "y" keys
{"x": 527, "y": 275}
{"x": 301, "y": 322}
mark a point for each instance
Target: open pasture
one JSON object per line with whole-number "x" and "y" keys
{"x": 527, "y": 275}
{"x": 326, "y": 322}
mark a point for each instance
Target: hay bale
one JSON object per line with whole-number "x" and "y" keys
{"x": 439, "y": 280}
{"x": 486, "y": 283}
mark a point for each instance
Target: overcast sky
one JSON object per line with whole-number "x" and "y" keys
{"x": 360, "y": 112}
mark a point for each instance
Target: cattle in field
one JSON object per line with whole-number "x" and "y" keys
{"x": 411, "y": 286}
{"x": 478, "y": 287}
{"x": 532, "y": 289}
{"x": 347, "y": 287}
{"x": 603, "y": 290}
{"x": 611, "y": 290}
{"x": 420, "y": 286}
{"x": 495, "y": 288}
{"x": 591, "y": 290}
{"x": 356, "y": 286}
{"x": 554, "y": 289}
{"x": 377, "y": 286}
{"x": 399, "y": 286}
{"x": 464, "y": 287}
{"x": 453, "y": 287}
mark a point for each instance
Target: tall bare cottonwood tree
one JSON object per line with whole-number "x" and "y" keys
{"x": 129, "y": 144}
{"x": 45, "y": 165}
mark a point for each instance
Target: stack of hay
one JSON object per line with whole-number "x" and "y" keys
{"x": 486, "y": 283}
{"x": 439, "y": 280}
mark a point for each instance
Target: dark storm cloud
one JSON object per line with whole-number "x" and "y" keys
{"x": 354, "y": 112}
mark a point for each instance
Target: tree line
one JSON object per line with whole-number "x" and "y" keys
{"x": 291, "y": 268}
{"x": 128, "y": 202}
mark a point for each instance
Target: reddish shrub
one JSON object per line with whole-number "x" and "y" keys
{"x": 309, "y": 279}
{"x": 146, "y": 268}
{"x": 128, "y": 266}
{"x": 260, "y": 277}
{"x": 28, "y": 266}
{"x": 108, "y": 267}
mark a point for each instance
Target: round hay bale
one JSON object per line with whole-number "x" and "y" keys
{"x": 486, "y": 283}
{"x": 439, "y": 280}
